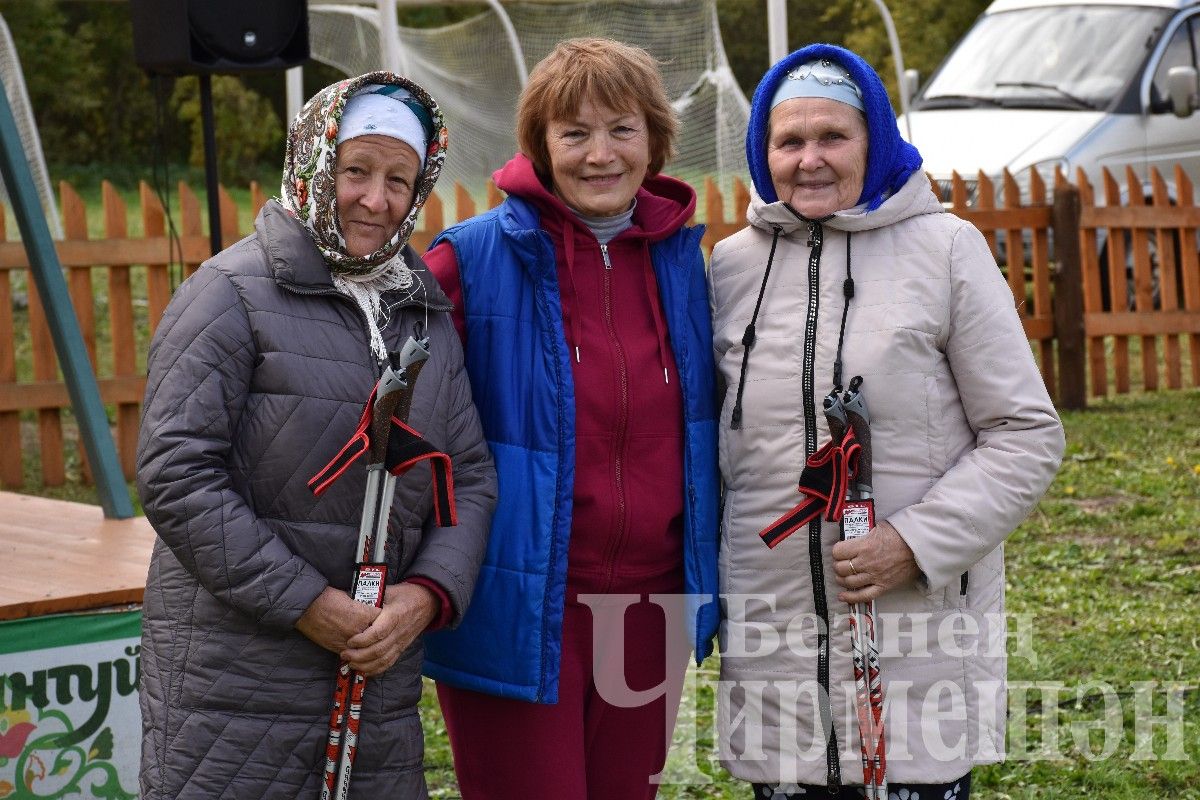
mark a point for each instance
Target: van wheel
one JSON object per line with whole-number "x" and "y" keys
{"x": 1130, "y": 302}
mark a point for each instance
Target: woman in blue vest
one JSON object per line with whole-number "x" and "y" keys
{"x": 583, "y": 308}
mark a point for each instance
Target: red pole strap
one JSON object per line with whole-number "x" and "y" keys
{"x": 406, "y": 448}
{"x": 823, "y": 482}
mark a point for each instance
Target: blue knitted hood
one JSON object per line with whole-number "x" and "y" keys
{"x": 890, "y": 159}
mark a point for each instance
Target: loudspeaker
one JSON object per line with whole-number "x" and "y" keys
{"x": 208, "y": 36}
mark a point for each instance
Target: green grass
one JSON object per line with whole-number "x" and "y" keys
{"x": 1105, "y": 576}
{"x": 1104, "y": 579}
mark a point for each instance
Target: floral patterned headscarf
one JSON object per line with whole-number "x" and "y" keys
{"x": 310, "y": 164}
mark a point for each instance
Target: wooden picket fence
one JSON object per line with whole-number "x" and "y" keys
{"x": 120, "y": 285}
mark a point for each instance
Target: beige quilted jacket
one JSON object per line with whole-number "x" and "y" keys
{"x": 965, "y": 443}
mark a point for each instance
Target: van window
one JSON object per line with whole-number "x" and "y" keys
{"x": 1181, "y": 52}
{"x": 1072, "y": 57}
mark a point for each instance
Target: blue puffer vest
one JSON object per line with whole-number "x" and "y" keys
{"x": 510, "y": 641}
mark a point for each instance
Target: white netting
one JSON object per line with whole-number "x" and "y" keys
{"x": 470, "y": 69}
{"x": 31, "y": 142}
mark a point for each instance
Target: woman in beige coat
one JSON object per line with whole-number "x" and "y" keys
{"x": 851, "y": 267}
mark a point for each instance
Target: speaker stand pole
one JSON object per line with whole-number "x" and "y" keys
{"x": 210, "y": 163}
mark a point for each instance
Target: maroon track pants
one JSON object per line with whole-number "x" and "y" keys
{"x": 587, "y": 746}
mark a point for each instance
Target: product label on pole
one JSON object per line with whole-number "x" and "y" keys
{"x": 368, "y": 584}
{"x": 858, "y": 517}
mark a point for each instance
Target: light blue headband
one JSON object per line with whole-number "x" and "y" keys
{"x": 819, "y": 78}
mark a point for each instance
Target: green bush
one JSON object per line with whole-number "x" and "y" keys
{"x": 248, "y": 131}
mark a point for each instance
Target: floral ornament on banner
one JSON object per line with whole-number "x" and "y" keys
{"x": 308, "y": 190}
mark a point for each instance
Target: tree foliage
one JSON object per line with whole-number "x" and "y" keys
{"x": 926, "y": 29}
{"x": 247, "y": 129}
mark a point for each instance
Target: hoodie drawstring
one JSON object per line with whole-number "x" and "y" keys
{"x": 660, "y": 325}
{"x": 569, "y": 308}
{"x": 749, "y": 337}
{"x": 847, "y": 293}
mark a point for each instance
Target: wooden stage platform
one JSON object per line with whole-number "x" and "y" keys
{"x": 59, "y": 556}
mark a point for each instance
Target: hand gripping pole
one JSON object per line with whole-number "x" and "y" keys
{"x": 858, "y": 518}
{"x": 392, "y": 448}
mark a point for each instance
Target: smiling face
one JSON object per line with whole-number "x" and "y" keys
{"x": 817, "y": 155}
{"x": 598, "y": 159}
{"x": 375, "y": 182}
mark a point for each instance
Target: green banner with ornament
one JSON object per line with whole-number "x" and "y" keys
{"x": 69, "y": 720}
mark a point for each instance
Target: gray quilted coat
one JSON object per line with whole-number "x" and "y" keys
{"x": 258, "y": 374}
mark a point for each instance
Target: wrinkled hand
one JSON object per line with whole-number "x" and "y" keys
{"x": 882, "y": 562}
{"x": 334, "y": 617}
{"x": 408, "y": 609}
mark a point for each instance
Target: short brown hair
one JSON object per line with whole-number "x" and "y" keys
{"x": 620, "y": 76}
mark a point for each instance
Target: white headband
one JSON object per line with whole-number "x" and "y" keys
{"x": 820, "y": 78}
{"x": 367, "y": 113}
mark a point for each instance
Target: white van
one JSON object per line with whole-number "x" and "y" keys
{"x": 1067, "y": 83}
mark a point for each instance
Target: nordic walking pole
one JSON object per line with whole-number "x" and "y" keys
{"x": 857, "y": 520}
{"x": 392, "y": 397}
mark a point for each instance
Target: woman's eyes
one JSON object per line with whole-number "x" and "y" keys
{"x": 617, "y": 132}
{"x": 830, "y": 136}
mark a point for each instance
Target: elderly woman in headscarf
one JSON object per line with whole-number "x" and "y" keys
{"x": 258, "y": 374}
{"x": 850, "y": 268}
{"x": 584, "y": 309}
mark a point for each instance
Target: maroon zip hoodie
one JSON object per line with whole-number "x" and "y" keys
{"x": 627, "y": 520}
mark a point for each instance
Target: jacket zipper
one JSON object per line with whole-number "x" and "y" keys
{"x": 622, "y": 422}
{"x": 833, "y": 771}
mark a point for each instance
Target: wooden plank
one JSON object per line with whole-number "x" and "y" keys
{"x": 45, "y": 368}
{"x": 1117, "y": 284}
{"x": 151, "y": 250}
{"x": 191, "y": 226}
{"x": 1143, "y": 286}
{"x": 1145, "y": 217}
{"x": 49, "y": 396}
{"x": 1189, "y": 264}
{"x": 958, "y": 192}
{"x": 985, "y": 200}
{"x": 1092, "y": 299}
{"x": 714, "y": 215}
{"x": 1167, "y": 285}
{"x": 1039, "y": 253}
{"x": 741, "y": 201}
{"x": 1014, "y": 245}
{"x": 11, "y": 468}
{"x": 229, "y": 217}
{"x": 464, "y": 206}
{"x": 83, "y": 297}
{"x": 258, "y": 199}
{"x": 494, "y": 196}
{"x": 1134, "y": 323}
{"x": 12, "y": 471}
{"x": 50, "y": 550}
{"x": 1038, "y": 328}
{"x": 999, "y": 218}
{"x": 1068, "y": 306}
{"x": 124, "y": 343}
{"x": 158, "y": 278}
